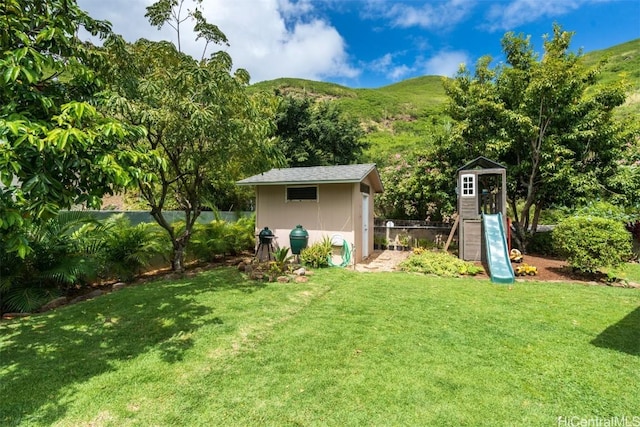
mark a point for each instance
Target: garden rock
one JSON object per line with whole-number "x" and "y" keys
{"x": 90, "y": 295}
{"x": 283, "y": 279}
{"x": 118, "y": 286}
{"x": 256, "y": 275}
{"x": 300, "y": 272}
{"x": 55, "y": 303}
{"x": 301, "y": 279}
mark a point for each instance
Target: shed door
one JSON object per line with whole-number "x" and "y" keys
{"x": 365, "y": 225}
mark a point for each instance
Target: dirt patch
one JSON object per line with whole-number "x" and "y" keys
{"x": 551, "y": 269}
{"x": 557, "y": 270}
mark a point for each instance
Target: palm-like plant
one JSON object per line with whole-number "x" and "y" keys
{"x": 62, "y": 255}
{"x": 128, "y": 248}
{"x": 219, "y": 237}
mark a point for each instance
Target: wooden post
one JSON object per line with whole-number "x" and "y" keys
{"x": 453, "y": 230}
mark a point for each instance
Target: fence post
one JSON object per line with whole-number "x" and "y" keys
{"x": 389, "y": 225}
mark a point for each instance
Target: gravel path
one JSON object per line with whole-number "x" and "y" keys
{"x": 382, "y": 261}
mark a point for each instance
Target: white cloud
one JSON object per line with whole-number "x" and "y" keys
{"x": 382, "y": 64}
{"x": 385, "y": 65}
{"x": 295, "y": 9}
{"x": 400, "y": 72}
{"x": 436, "y": 15}
{"x": 445, "y": 63}
{"x": 507, "y": 16}
{"x": 269, "y": 38}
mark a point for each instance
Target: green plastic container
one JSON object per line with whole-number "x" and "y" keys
{"x": 298, "y": 238}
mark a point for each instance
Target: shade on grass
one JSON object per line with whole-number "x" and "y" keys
{"x": 344, "y": 349}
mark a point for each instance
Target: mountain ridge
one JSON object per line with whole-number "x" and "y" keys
{"x": 400, "y": 116}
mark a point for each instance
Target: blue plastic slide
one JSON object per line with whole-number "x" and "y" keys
{"x": 497, "y": 250}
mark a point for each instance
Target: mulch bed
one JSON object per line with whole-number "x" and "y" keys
{"x": 557, "y": 270}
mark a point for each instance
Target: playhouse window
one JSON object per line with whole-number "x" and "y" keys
{"x": 296, "y": 194}
{"x": 468, "y": 185}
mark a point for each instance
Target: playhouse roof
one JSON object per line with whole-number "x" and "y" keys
{"x": 318, "y": 175}
{"x": 481, "y": 163}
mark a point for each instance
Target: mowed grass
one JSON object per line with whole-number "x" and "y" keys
{"x": 344, "y": 349}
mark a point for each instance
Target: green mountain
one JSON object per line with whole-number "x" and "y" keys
{"x": 403, "y": 116}
{"x": 623, "y": 63}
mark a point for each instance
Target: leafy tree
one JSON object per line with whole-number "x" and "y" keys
{"x": 545, "y": 118}
{"x": 317, "y": 134}
{"x": 173, "y": 14}
{"x": 198, "y": 117}
{"x": 56, "y": 150}
{"x": 416, "y": 188}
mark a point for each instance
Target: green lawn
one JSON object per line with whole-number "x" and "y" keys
{"x": 344, "y": 349}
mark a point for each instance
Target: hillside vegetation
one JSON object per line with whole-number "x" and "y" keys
{"x": 623, "y": 62}
{"x": 405, "y": 116}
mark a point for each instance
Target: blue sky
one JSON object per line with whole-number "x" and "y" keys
{"x": 373, "y": 43}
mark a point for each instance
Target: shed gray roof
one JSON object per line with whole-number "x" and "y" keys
{"x": 317, "y": 175}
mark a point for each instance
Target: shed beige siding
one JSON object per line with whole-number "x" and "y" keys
{"x": 338, "y": 209}
{"x": 333, "y": 213}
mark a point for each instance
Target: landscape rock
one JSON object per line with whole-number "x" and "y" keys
{"x": 301, "y": 279}
{"x": 118, "y": 286}
{"x": 55, "y": 303}
{"x": 90, "y": 295}
{"x": 300, "y": 272}
{"x": 283, "y": 279}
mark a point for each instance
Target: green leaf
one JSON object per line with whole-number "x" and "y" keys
{"x": 11, "y": 73}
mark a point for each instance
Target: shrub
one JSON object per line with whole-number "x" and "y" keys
{"x": 317, "y": 255}
{"x": 127, "y": 248}
{"x": 219, "y": 237}
{"x": 281, "y": 258}
{"x": 208, "y": 240}
{"x": 541, "y": 243}
{"x": 426, "y": 244}
{"x": 62, "y": 256}
{"x": 440, "y": 264}
{"x": 240, "y": 235}
{"x": 590, "y": 243}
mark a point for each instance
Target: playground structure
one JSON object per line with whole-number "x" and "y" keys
{"x": 482, "y": 217}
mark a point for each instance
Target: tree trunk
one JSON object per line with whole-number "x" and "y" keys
{"x": 536, "y": 218}
{"x": 177, "y": 257}
{"x": 518, "y": 236}
{"x": 180, "y": 248}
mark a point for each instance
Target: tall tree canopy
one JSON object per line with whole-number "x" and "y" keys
{"x": 546, "y": 119}
{"x": 56, "y": 150}
{"x": 198, "y": 117}
{"x": 317, "y": 134}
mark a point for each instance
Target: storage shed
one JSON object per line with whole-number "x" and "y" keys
{"x": 325, "y": 200}
{"x": 482, "y": 185}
